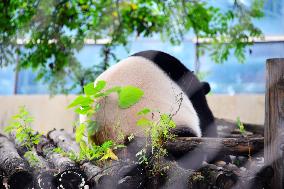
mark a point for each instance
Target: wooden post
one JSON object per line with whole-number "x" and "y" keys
{"x": 274, "y": 120}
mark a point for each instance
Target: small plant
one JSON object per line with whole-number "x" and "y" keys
{"x": 20, "y": 126}
{"x": 90, "y": 151}
{"x": 88, "y": 105}
{"x": 240, "y": 126}
{"x": 32, "y": 158}
{"x": 242, "y": 130}
{"x": 159, "y": 133}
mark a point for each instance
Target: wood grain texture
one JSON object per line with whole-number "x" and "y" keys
{"x": 228, "y": 146}
{"x": 274, "y": 120}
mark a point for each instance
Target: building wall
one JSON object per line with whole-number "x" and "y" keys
{"x": 52, "y": 113}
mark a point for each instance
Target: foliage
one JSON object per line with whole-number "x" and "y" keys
{"x": 32, "y": 158}
{"x": 159, "y": 133}
{"x": 240, "y": 126}
{"x": 20, "y": 126}
{"x": 24, "y": 134}
{"x": 90, "y": 151}
{"x": 128, "y": 96}
{"x": 15, "y": 16}
{"x": 56, "y": 31}
{"x": 88, "y": 105}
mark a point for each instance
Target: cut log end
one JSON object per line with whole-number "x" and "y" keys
{"x": 20, "y": 179}
{"x": 71, "y": 179}
{"x": 45, "y": 180}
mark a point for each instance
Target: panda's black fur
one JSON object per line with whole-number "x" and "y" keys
{"x": 188, "y": 82}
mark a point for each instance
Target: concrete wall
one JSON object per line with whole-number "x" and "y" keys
{"x": 48, "y": 112}
{"x": 52, "y": 113}
{"x": 250, "y": 108}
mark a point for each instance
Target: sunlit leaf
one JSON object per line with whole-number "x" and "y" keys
{"x": 80, "y": 100}
{"x": 109, "y": 155}
{"x": 79, "y": 134}
{"x": 143, "y": 122}
{"x": 129, "y": 96}
{"x": 144, "y": 111}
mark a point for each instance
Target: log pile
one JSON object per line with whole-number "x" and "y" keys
{"x": 235, "y": 161}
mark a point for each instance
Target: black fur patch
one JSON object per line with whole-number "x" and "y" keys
{"x": 183, "y": 131}
{"x": 189, "y": 83}
{"x": 169, "y": 64}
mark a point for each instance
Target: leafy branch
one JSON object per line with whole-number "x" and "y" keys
{"x": 159, "y": 133}
{"x": 20, "y": 126}
{"x": 56, "y": 31}
{"x": 88, "y": 105}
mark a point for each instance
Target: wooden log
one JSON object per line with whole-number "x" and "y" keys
{"x": 208, "y": 176}
{"x": 274, "y": 120}
{"x": 225, "y": 127}
{"x": 214, "y": 176}
{"x": 69, "y": 172}
{"x": 60, "y": 162}
{"x": 2, "y": 176}
{"x": 72, "y": 178}
{"x": 229, "y": 146}
{"x": 43, "y": 175}
{"x": 65, "y": 141}
{"x": 45, "y": 179}
{"x": 14, "y": 166}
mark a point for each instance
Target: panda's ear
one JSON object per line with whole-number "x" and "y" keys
{"x": 206, "y": 87}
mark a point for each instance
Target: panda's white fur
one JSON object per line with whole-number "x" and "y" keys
{"x": 159, "y": 94}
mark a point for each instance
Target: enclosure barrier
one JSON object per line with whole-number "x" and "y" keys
{"x": 256, "y": 142}
{"x": 274, "y": 120}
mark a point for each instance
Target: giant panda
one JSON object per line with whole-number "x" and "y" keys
{"x": 162, "y": 77}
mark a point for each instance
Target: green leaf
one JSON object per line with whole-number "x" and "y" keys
{"x": 58, "y": 150}
{"x": 113, "y": 89}
{"x": 109, "y": 155}
{"x": 80, "y": 100}
{"x": 89, "y": 89}
{"x": 107, "y": 92}
{"x": 129, "y": 96}
{"x": 107, "y": 144}
{"x": 82, "y": 110}
{"x": 100, "y": 85}
{"x": 83, "y": 146}
{"x": 166, "y": 119}
{"x": 80, "y": 130}
{"x": 143, "y": 122}
{"x": 92, "y": 127}
{"x": 240, "y": 126}
{"x": 9, "y": 129}
{"x": 144, "y": 111}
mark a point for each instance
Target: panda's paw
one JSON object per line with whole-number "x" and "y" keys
{"x": 183, "y": 131}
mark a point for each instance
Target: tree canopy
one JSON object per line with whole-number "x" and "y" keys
{"x": 52, "y": 31}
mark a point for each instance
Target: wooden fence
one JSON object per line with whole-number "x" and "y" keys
{"x": 274, "y": 120}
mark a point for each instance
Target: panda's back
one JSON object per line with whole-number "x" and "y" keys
{"x": 160, "y": 94}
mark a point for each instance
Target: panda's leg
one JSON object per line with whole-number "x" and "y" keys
{"x": 183, "y": 131}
